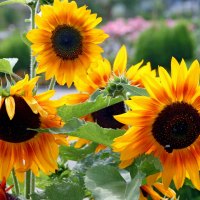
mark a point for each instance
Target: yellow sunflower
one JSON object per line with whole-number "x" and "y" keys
{"x": 22, "y": 149}
{"x": 166, "y": 124}
{"x": 66, "y": 40}
{"x": 99, "y": 74}
{"x": 155, "y": 189}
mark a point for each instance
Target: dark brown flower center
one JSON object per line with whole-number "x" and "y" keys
{"x": 177, "y": 126}
{"x": 105, "y": 119}
{"x": 67, "y": 42}
{"x": 15, "y": 130}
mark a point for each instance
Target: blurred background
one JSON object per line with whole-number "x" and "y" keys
{"x": 152, "y": 30}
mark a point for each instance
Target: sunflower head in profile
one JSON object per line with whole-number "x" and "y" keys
{"x": 166, "y": 124}
{"x": 66, "y": 40}
{"x": 99, "y": 76}
{"x": 21, "y": 148}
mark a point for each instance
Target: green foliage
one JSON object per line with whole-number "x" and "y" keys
{"x": 60, "y": 190}
{"x": 67, "y": 112}
{"x": 160, "y": 43}
{"x": 106, "y": 182}
{"x": 6, "y": 65}
{"x": 90, "y": 131}
{"x": 13, "y": 46}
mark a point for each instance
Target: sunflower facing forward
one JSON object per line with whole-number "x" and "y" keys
{"x": 166, "y": 124}
{"x": 22, "y": 149}
{"x": 66, "y": 40}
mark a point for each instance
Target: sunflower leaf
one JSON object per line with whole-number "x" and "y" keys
{"x": 8, "y": 2}
{"x": 106, "y": 182}
{"x": 71, "y": 153}
{"x": 90, "y": 131}
{"x": 61, "y": 190}
{"x": 146, "y": 164}
{"x": 134, "y": 91}
{"x": 7, "y": 64}
{"x": 67, "y": 112}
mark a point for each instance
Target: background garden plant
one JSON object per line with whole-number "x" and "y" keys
{"x": 111, "y": 138}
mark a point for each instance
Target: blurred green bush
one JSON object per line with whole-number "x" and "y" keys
{"x": 159, "y": 43}
{"x": 14, "y": 47}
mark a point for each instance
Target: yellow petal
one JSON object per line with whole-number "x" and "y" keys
{"x": 10, "y": 106}
{"x": 120, "y": 62}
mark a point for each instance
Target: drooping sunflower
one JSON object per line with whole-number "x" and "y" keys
{"x": 166, "y": 124}
{"x": 21, "y": 148}
{"x": 98, "y": 76}
{"x": 66, "y": 40}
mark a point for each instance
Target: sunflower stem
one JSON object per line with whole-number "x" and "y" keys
{"x": 32, "y": 183}
{"x": 16, "y": 184}
{"x": 52, "y": 83}
{"x": 32, "y": 60}
{"x": 27, "y": 188}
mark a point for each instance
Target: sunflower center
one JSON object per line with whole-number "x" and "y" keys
{"x": 104, "y": 117}
{"x": 15, "y": 130}
{"x": 67, "y": 42}
{"x": 177, "y": 126}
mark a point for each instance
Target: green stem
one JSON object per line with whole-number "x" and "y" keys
{"x": 52, "y": 83}
{"x": 27, "y": 185}
{"x": 16, "y": 184}
{"x": 32, "y": 183}
{"x": 32, "y": 61}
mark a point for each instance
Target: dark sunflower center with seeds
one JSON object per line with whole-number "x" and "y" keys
{"x": 67, "y": 42}
{"x": 105, "y": 119}
{"x": 15, "y": 130}
{"x": 177, "y": 126}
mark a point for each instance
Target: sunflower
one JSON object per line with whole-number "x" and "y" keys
{"x": 21, "y": 148}
{"x": 98, "y": 76}
{"x": 155, "y": 189}
{"x": 66, "y": 40}
{"x": 166, "y": 124}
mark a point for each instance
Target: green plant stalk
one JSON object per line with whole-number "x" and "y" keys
{"x": 16, "y": 184}
{"x": 27, "y": 189}
{"x": 32, "y": 183}
{"x": 52, "y": 83}
{"x": 32, "y": 62}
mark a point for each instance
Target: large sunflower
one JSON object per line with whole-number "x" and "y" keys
{"x": 98, "y": 76}
{"x": 22, "y": 149}
{"x": 166, "y": 124}
{"x": 66, "y": 40}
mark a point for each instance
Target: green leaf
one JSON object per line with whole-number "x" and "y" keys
{"x": 106, "y": 182}
{"x": 146, "y": 164}
{"x": 25, "y": 40}
{"x": 134, "y": 91}
{"x": 133, "y": 188}
{"x": 8, "y": 2}
{"x": 90, "y": 131}
{"x": 7, "y": 64}
{"x": 62, "y": 190}
{"x": 71, "y": 153}
{"x": 69, "y": 111}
